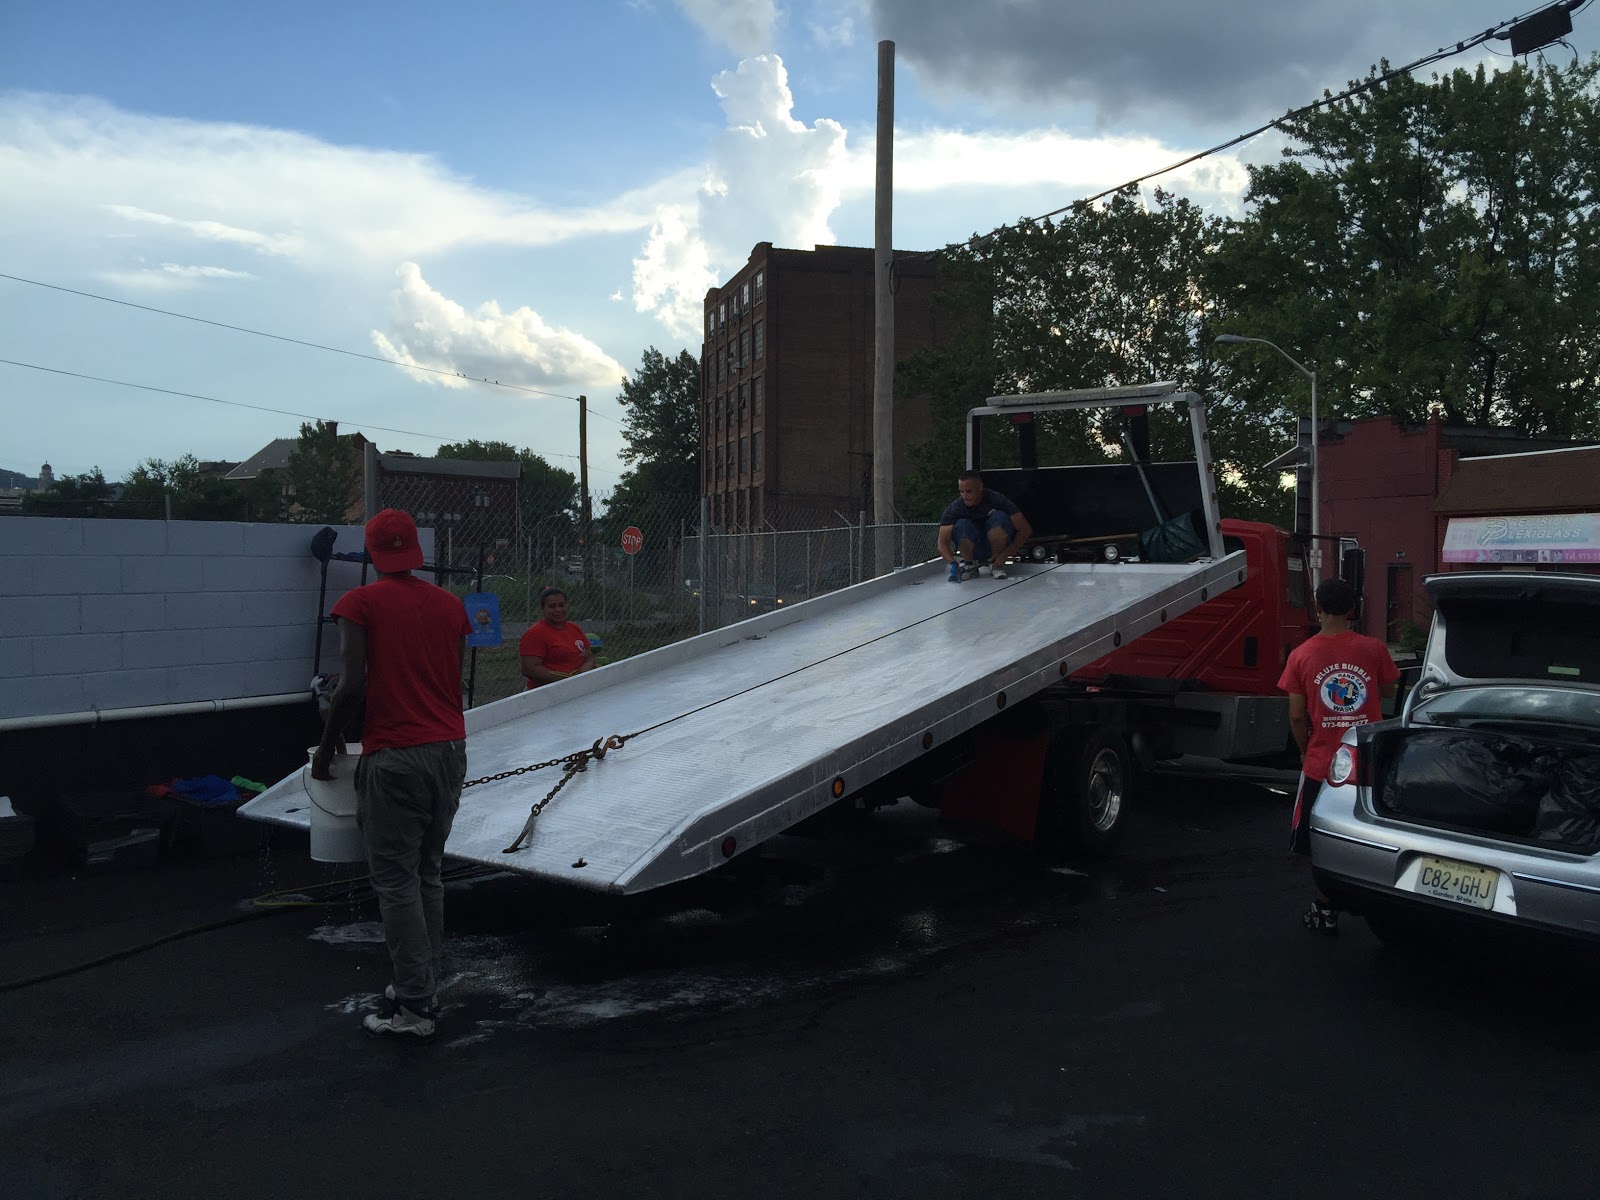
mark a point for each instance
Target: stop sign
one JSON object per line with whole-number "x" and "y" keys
{"x": 632, "y": 540}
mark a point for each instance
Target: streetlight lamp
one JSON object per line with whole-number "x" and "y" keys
{"x": 1233, "y": 339}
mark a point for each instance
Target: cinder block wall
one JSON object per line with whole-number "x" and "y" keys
{"x": 108, "y": 614}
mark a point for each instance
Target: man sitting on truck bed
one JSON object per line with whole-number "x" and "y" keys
{"x": 983, "y": 526}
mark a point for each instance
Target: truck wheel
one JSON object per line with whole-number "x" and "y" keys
{"x": 1083, "y": 803}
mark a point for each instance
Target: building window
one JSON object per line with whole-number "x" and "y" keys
{"x": 716, "y": 453}
{"x": 722, "y": 366}
{"x": 711, "y": 322}
{"x": 744, "y": 295}
{"x": 744, "y": 349}
{"x": 755, "y": 395}
{"x": 760, "y": 282}
{"x": 744, "y": 399}
{"x": 744, "y": 456}
{"x": 761, "y": 340}
{"x": 727, "y": 416}
{"x": 755, "y": 451}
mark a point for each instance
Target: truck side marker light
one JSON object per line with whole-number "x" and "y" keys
{"x": 927, "y": 740}
{"x": 729, "y": 846}
{"x": 1063, "y": 669}
{"x": 1116, "y": 639}
{"x": 838, "y": 787}
{"x": 1000, "y": 700}
{"x": 1163, "y": 616}
{"x": 1241, "y": 576}
{"x": 1205, "y": 593}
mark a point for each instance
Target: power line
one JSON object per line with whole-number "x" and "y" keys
{"x": 284, "y": 412}
{"x": 278, "y": 337}
{"x": 1438, "y": 55}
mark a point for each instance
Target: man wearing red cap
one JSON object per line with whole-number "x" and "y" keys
{"x": 401, "y": 644}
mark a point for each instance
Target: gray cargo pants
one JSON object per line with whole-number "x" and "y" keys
{"x": 408, "y": 799}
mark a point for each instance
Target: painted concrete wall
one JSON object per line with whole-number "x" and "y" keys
{"x": 108, "y": 614}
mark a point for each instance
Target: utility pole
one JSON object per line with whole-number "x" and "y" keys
{"x": 883, "y": 509}
{"x": 584, "y": 511}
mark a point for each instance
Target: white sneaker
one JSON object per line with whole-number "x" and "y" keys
{"x": 983, "y": 568}
{"x": 402, "y": 1023}
{"x": 998, "y": 572}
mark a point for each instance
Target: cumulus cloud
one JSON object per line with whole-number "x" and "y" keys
{"x": 1249, "y": 59}
{"x": 429, "y": 330}
{"x": 770, "y": 177}
{"x": 744, "y": 26}
{"x": 92, "y": 168}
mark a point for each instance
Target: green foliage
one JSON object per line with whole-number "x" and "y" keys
{"x": 1108, "y": 295}
{"x": 661, "y": 428}
{"x": 549, "y": 494}
{"x": 325, "y": 476}
{"x": 195, "y": 496}
{"x": 86, "y": 495}
{"x": 661, "y": 432}
{"x": 1432, "y": 247}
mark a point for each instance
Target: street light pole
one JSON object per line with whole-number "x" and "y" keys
{"x": 1233, "y": 339}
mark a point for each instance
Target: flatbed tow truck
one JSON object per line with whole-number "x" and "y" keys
{"x": 903, "y": 685}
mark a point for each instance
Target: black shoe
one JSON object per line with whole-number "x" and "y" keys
{"x": 1322, "y": 918}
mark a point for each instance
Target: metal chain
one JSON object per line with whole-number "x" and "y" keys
{"x": 573, "y": 762}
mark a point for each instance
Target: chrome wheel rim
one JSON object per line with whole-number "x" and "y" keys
{"x": 1105, "y": 790}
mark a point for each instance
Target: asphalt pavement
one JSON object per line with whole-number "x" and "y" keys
{"x": 892, "y": 1008}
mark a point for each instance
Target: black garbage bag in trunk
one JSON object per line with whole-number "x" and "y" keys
{"x": 1491, "y": 783}
{"x": 1569, "y": 813}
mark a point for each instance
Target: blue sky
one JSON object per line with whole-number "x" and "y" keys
{"x": 537, "y": 192}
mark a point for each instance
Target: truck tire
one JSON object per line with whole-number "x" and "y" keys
{"x": 1083, "y": 797}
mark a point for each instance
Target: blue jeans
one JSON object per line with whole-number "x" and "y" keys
{"x": 966, "y": 530}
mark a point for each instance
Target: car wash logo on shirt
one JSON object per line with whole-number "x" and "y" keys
{"x": 1343, "y": 688}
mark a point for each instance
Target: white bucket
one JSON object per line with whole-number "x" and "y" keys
{"x": 335, "y": 837}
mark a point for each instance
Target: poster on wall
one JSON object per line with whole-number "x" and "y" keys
{"x": 1546, "y": 538}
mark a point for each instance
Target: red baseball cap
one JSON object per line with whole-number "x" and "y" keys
{"x": 392, "y": 541}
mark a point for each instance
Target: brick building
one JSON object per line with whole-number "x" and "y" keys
{"x": 469, "y": 504}
{"x": 786, "y": 383}
{"x": 1385, "y": 483}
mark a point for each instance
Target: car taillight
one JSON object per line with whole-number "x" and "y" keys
{"x": 1344, "y": 767}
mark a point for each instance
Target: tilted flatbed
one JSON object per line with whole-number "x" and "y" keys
{"x": 742, "y": 733}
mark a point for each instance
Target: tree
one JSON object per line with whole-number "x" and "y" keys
{"x": 547, "y": 492}
{"x": 661, "y": 428}
{"x": 86, "y": 495}
{"x": 194, "y": 495}
{"x": 661, "y": 433}
{"x": 1110, "y": 294}
{"x": 1433, "y": 247}
{"x": 324, "y": 475}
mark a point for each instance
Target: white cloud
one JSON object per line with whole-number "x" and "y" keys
{"x": 172, "y": 276}
{"x": 427, "y": 329}
{"x": 839, "y": 36}
{"x": 83, "y": 166}
{"x": 744, "y": 26}
{"x": 770, "y": 177}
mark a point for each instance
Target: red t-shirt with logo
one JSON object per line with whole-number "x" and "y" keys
{"x": 414, "y": 631}
{"x": 561, "y": 650}
{"x": 1341, "y": 676}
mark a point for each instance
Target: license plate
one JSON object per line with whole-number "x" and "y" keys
{"x": 1457, "y": 882}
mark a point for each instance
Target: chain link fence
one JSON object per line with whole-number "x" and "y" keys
{"x": 651, "y": 571}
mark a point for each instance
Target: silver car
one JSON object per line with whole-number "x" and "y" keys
{"x": 1481, "y": 801}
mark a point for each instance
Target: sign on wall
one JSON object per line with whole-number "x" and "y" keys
{"x": 1547, "y": 538}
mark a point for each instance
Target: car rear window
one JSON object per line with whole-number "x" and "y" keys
{"x": 1523, "y": 638}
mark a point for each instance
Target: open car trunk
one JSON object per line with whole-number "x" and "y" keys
{"x": 1495, "y": 783}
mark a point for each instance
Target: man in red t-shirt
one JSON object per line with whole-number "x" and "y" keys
{"x": 553, "y": 647}
{"x": 401, "y": 644}
{"x": 1336, "y": 680}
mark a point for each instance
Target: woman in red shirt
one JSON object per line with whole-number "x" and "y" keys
{"x": 554, "y": 647}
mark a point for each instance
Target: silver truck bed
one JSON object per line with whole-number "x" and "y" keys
{"x": 752, "y": 728}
